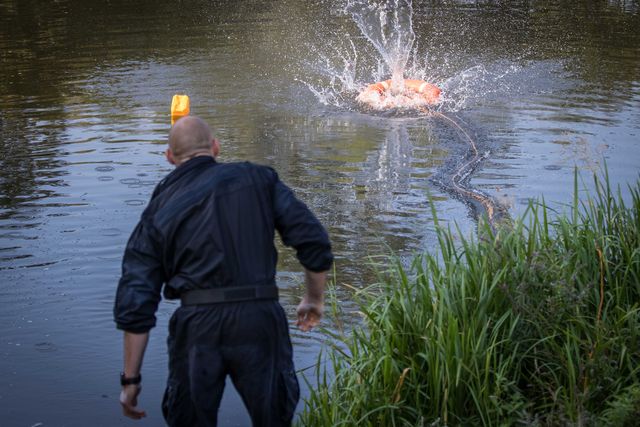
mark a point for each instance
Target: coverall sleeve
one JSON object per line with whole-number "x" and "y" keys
{"x": 299, "y": 228}
{"x": 140, "y": 286}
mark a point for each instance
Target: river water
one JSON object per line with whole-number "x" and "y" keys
{"x": 85, "y": 89}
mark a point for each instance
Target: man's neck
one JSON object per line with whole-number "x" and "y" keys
{"x": 186, "y": 159}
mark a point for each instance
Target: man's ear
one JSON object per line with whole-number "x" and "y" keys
{"x": 215, "y": 147}
{"x": 169, "y": 155}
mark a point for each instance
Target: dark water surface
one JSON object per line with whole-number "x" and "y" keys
{"x": 85, "y": 88}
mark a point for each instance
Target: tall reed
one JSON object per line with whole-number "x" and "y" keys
{"x": 537, "y": 324}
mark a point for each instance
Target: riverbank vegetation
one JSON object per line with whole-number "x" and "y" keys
{"x": 538, "y": 324}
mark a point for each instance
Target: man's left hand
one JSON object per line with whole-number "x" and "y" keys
{"x": 129, "y": 401}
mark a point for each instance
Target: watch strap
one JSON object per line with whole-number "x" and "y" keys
{"x": 130, "y": 381}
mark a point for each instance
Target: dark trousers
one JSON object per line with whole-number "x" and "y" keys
{"x": 248, "y": 341}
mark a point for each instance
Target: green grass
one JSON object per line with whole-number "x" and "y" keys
{"x": 537, "y": 324}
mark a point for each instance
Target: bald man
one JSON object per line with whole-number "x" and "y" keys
{"x": 207, "y": 238}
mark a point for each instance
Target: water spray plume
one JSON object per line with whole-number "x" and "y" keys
{"x": 388, "y": 26}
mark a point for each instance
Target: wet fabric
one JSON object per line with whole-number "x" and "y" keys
{"x": 247, "y": 341}
{"x": 212, "y": 224}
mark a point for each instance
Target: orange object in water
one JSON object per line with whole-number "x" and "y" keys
{"x": 380, "y": 87}
{"x": 179, "y": 107}
{"x": 430, "y": 92}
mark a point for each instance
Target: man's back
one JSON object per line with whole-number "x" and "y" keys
{"x": 217, "y": 228}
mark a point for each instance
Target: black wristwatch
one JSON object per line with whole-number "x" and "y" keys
{"x": 130, "y": 381}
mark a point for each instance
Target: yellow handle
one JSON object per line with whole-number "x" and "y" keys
{"x": 179, "y": 107}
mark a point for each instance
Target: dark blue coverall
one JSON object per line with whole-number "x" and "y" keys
{"x": 210, "y": 225}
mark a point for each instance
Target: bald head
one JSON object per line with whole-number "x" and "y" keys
{"x": 189, "y": 137}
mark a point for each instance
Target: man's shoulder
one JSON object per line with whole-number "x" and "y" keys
{"x": 264, "y": 171}
{"x": 246, "y": 165}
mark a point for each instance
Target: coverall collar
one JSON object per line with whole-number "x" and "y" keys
{"x": 187, "y": 166}
{"x": 182, "y": 170}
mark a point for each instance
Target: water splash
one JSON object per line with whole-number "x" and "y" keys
{"x": 349, "y": 65}
{"x": 388, "y": 25}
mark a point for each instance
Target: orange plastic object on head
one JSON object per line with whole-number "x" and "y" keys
{"x": 179, "y": 107}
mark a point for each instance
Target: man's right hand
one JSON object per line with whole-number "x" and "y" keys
{"x": 129, "y": 401}
{"x": 312, "y": 305}
{"x": 309, "y": 314}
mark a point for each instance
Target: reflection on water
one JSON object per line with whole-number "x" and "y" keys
{"x": 85, "y": 89}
